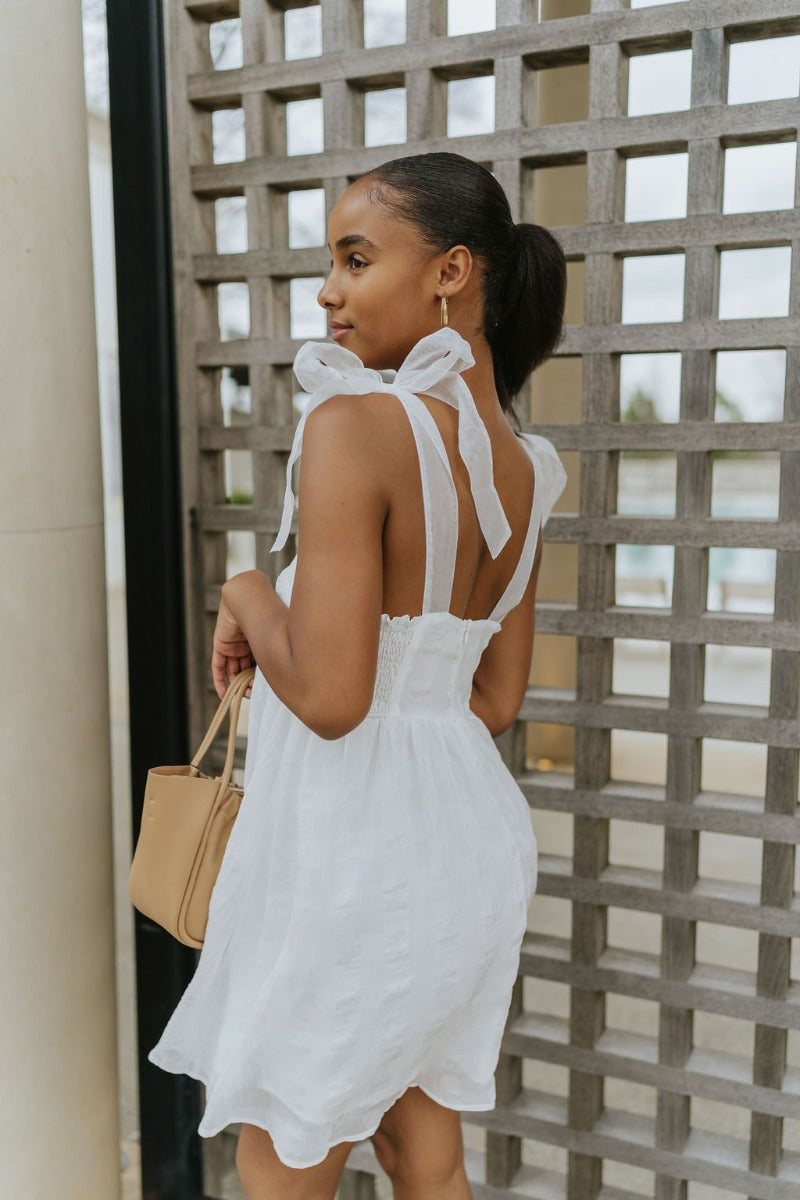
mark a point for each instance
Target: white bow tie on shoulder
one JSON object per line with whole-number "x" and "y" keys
{"x": 432, "y": 368}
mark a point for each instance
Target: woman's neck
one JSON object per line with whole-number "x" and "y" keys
{"x": 480, "y": 381}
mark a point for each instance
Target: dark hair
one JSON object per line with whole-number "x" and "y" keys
{"x": 454, "y": 201}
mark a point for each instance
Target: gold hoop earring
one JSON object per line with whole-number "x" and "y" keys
{"x": 445, "y": 318}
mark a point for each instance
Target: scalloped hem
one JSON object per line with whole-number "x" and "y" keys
{"x": 246, "y": 1114}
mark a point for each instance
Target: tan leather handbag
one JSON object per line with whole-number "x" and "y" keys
{"x": 186, "y": 822}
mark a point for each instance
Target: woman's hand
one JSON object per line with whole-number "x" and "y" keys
{"x": 231, "y": 650}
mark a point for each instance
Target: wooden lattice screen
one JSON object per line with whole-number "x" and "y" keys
{"x": 652, "y": 1047}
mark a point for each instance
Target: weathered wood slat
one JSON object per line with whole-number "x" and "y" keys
{"x": 556, "y": 42}
{"x": 649, "y": 714}
{"x": 626, "y": 1137}
{"x": 726, "y": 991}
{"x": 638, "y": 889}
{"x": 743, "y": 816}
{"x": 708, "y": 334}
{"x": 662, "y": 625}
{"x": 710, "y": 1074}
{"x": 545, "y": 145}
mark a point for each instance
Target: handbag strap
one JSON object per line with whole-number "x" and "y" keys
{"x": 232, "y": 700}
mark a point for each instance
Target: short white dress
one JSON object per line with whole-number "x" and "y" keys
{"x": 365, "y": 929}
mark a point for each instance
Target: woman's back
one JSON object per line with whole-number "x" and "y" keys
{"x": 479, "y": 580}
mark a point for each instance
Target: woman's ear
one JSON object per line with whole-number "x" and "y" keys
{"x": 455, "y": 268}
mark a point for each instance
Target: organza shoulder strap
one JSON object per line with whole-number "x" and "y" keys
{"x": 549, "y": 479}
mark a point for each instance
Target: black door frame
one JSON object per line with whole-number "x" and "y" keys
{"x": 169, "y": 1104}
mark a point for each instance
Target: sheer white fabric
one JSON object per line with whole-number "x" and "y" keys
{"x": 365, "y": 928}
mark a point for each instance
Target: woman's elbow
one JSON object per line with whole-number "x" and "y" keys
{"x": 333, "y": 716}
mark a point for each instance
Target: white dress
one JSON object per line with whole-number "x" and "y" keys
{"x": 365, "y": 929}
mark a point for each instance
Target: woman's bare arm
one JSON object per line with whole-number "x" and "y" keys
{"x": 498, "y": 685}
{"x": 320, "y": 654}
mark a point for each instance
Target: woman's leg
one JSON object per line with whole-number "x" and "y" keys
{"x": 265, "y": 1177}
{"x": 420, "y": 1146}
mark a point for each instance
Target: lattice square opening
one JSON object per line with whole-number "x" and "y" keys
{"x": 714, "y": 1117}
{"x": 626, "y": 1096}
{"x": 573, "y": 309}
{"x": 557, "y": 10}
{"x": 550, "y": 747}
{"x": 754, "y": 282}
{"x": 646, "y": 483}
{"x": 737, "y": 674}
{"x": 745, "y": 484}
{"x": 556, "y": 390}
{"x": 227, "y": 135}
{"x": 652, "y": 288}
{"x": 545, "y": 996}
{"x": 741, "y": 579}
{"x": 238, "y": 476}
{"x": 550, "y": 915}
{"x": 632, "y": 929}
{"x": 660, "y": 81}
{"x": 638, "y": 757}
{"x": 302, "y": 32}
{"x": 233, "y": 311}
{"x": 306, "y": 217}
{"x": 385, "y": 120}
{"x": 750, "y": 385}
{"x": 470, "y": 18}
{"x": 635, "y": 844}
{"x": 767, "y": 69}
{"x": 633, "y": 1014}
{"x": 736, "y": 767}
{"x": 727, "y": 856}
{"x": 234, "y": 395}
{"x": 559, "y": 92}
{"x": 641, "y": 667}
{"x": 553, "y": 832}
{"x": 240, "y": 551}
{"x": 726, "y": 946}
{"x": 555, "y": 195}
{"x": 550, "y": 1162}
{"x": 791, "y": 1135}
{"x": 470, "y": 106}
{"x": 631, "y": 1182}
{"x": 710, "y": 1191}
{"x": 643, "y": 576}
{"x": 548, "y": 1078}
{"x": 714, "y": 1031}
{"x": 759, "y": 178}
{"x": 230, "y": 225}
{"x": 304, "y": 126}
{"x": 650, "y": 387}
{"x": 225, "y": 44}
{"x": 384, "y": 22}
{"x": 656, "y": 187}
{"x": 554, "y": 660}
{"x": 306, "y": 318}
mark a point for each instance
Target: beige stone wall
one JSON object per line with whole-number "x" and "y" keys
{"x": 58, "y": 1103}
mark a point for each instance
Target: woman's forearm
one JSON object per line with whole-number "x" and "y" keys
{"x": 264, "y": 620}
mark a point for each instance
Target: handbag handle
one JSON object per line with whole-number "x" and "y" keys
{"x": 231, "y": 700}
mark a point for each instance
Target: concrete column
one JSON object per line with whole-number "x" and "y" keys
{"x": 58, "y": 1102}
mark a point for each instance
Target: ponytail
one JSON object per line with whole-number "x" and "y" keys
{"x": 454, "y": 201}
{"x": 527, "y": 324}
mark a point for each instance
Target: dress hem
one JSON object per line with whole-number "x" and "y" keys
{"x": 218, "y": 1126}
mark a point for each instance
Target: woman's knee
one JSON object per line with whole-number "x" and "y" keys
{"x": 425, "y": 1153}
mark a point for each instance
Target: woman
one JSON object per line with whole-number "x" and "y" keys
{"x": 365, "y": 929}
